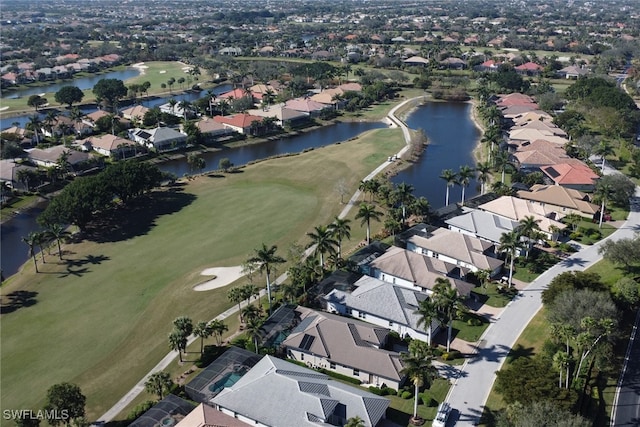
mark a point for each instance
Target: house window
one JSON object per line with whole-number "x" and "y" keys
{"x": 356, "y": 372}
{"x": 301, "y": 356}
{"x": 436, "y": 255}
{"x": 332, "y": 365}
{"x": 390, "y": 323}
{"x": 362, "y": 315}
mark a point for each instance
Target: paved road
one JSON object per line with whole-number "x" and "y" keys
{"x": 471, "y": 389}
{"x": 626, "y": 407}
{"x": 171, "y": 356}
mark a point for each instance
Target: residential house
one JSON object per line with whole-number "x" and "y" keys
{"x": 241, "y": 123}
{"x": 482, "y": 224}
{"x": 207, "y": 416}
{"x": 284, "y": 116}
{"x": 9, "y": 173}
{"x": 573, "y": 72}
{"x": 306, "y": 105}
{"x": 235, "y": 94}
{"x": 212, "y": 128}
{"x": 159, "y": 139}
{"x": 564, "y": 200}
{"x": 529, "y": 69}
{"x": 454, "y": 63}
{"x": 49, "y": 157}
{"x": 279, "y": 393}
{"x": 465, "y": 251}
{"x": 136, "y": 112}
{"x": 533, "y": 155}
{"x": 112, "y": 146}
{"x": 417, "y": 61}
{"x": 531, "y": 116}
{"x": 577, "y": 176}
{"x": 383, "y": 304}
{"x": 20, "y": 135}
{"x": 517, "y": 209}
{"x": 346, "y": 346}
{"x": 412, "y": 270}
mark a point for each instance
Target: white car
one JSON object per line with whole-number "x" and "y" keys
{"x": 444, "y": 409}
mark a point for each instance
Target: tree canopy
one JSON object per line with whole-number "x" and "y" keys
{"x": 69, "y": 95}
{"x": 571, "y": 280}
{"x": 110, "y": 90}
{"x": 67, "y": 400}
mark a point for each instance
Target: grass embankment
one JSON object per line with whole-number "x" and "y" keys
{"x": 101, "y": 318}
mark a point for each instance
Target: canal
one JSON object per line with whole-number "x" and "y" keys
{"x": 448, "y": 126}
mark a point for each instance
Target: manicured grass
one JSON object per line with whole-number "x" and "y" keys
{"x": 467, "y": 332}
{"x": 400, "y": 410}
{"x": 494, "y": 298}
{"x": 110, "y": 307}
{"x": 589, "y": 233}
{"x": 609, "y": 272}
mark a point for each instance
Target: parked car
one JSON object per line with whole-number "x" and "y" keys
{"x": 444, "y": 409}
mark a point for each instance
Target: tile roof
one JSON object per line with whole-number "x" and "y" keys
{"x": 345, "y": 341}
{"x": 241, "y": 120}
{"x": 207, "y": 416}
{"x": 305, "y": 105}
{"x": 419, "y": 269}
{"x": 517, "y": 209}
{"x": 109, "y": 142}
{"x": 567, "y": 174}
{"x": 278, "y": 393}
{"x": 560, "y": 196}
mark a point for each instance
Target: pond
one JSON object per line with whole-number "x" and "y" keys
{"x": 451, "y": 133}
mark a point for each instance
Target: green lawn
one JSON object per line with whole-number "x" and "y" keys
{"x": 110, "y": 308}
{"x": 493, "y": 296}
{"x": 400, "y": 410}
{"x": 467, "y": 332}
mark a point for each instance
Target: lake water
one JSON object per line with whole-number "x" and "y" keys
{"x": 449, "y": 129}
{"x": 452, "y": 136}
{"x": 87, "y": 82}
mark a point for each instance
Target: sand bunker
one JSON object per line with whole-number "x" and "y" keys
{"x": 223, "y": 276}
{"x": 162, "y": 71}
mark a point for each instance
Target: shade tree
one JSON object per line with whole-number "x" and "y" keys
{"x": 69, "y": 95}
{"x": 65, "y": 399}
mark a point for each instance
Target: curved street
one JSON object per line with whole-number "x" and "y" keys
{"x": 475, "y": 378}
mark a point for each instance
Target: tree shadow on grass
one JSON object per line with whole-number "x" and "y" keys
{"x": 16, "y": 300}
{"x": 519, "y": 351}
{"x": 138, "y": 217}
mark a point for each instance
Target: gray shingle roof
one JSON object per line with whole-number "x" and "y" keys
{"x": 270, "y": 393}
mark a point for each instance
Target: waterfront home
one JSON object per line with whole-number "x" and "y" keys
{"x": 535, "y": 154}
{"x": 284, "y": 116}
{"x": 136, "y": 112}
{"x": 306, "y": 105}
{"x": 344, "y": 345}
{"x": 481, "y": 224}
{"x": 564, "y": 200}
{"x": 50, "y": 157}
{"x": 242, "y": 123}
{"x": 159, "y": 139}
{"x": 212, "y": 128}
{"x": 383, "y": 304}
{"x": 111, "y": 146}
{"x": 571, "y": 175}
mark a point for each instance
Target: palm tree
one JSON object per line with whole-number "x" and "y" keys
{"x": 528, "y": 227}
{"x": 561, "y": 360}
{"x": 484, "y": 170}
{"x": 267, "y": 259}
{"x": 34, "y": 124}
{"x": 450, "y": 178}
{"x": 184, "y": 325}
{"x": 403, "y": 193}
{"x": 367, "y": 213}
{"x": 32, "y": 241}
{"x": 603, "y": 192}
{"x": 340, "y": 230}
{"x": 419, "y": 369}
{"x": 254, "y": 328}
{"x": 355, "y": 422}
{"x": 421, "y": 207}
{"x": 448, "y": 302}
{"x": 251, "y": 312}
{"x": 323, "y": 241}
{"x": 510, "y": 243}
{"x": 501, "y": 162}
{"x": 172, "y": 103}
{"x": 58, "y": 233}
{"x": 235, "y": 296}
{"x": 218, "y": 327}
{"x": 159, "y": 383}
{"x": 428, "y": 312}
{"x": 178, "y": 342}
{"x": 202, "y": 330}
{"x": 464, "y": 177}
{"x": 186, "y": 108}
{"x": 603, "y": 149}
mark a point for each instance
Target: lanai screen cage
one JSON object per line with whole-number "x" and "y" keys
{"x": 223, "y": 372}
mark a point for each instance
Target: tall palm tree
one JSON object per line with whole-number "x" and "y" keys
{"x": 419, "y": 369}
{"x": 501, "y": 162}
{"x": 184, "y": 325}
{"x": 267, "y": 259}
{"x": 448, "y": 302}
{"x": 218, "y": 327}
{"x": 484, "y": 174}
{"x": 58, "y": 233}
{"x": 186, "y": 108}
{"x": 528, "y": 227}
{"x": 172, "y": 103}
{"x": 159, "y": 383}
{"x": 35, "y": 123}
{"x": 403, "y": 193}
{"x": 603, "y": 192}
{"x": 428, "y": 312}
{"x": 202, "y": 330}
{"x": 340, "y": 230}
{"x": 367, "y": 213}
{"x": 450, "y": 178}
{"x": 32, "y": 241}
{"x": 254, "y": 329}
{"x": 235, "y": 296}
{"x": 322, "y": 239}
{"x": 464, "y": 177}
{"x": 178, "y": 342}
{"x": 603, "y": 149}
{"x": 510, "y": 243}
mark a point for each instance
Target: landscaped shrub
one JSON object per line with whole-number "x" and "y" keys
{"x": 140, "y": 409}
{"x": 474, "y": 321}
{"x": 376, "y": 391}
{"x": 437, "y": 352}
{"x": 406, "y": 395}
{"x": 575, "y": 235}
{"x": 387, "y": 391}
{"x": 429, "y": 401}
{"x": 340, "y": 376}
